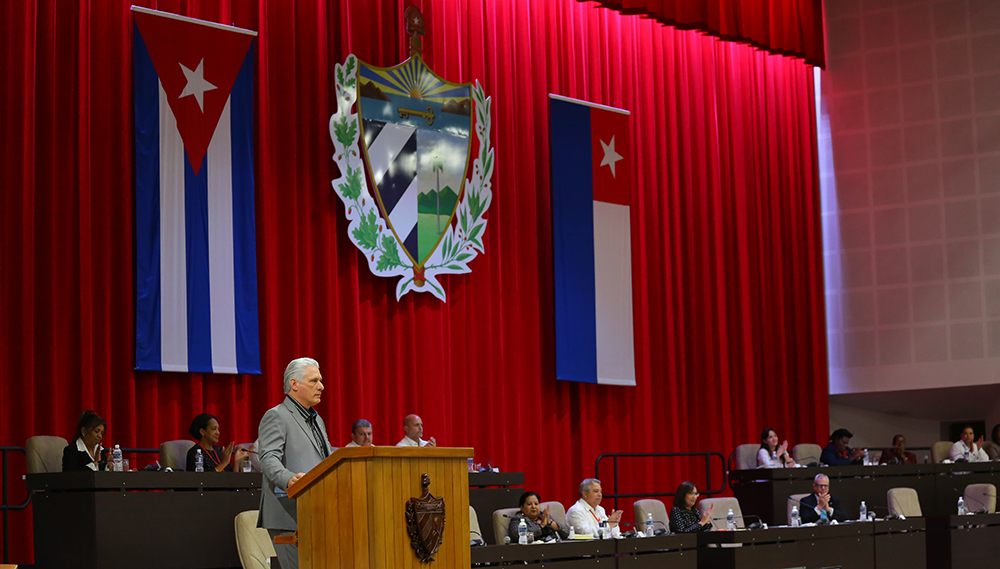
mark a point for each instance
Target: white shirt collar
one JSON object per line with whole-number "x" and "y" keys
{"x": 598, "y": 511}
{"x": 80, "y": 446}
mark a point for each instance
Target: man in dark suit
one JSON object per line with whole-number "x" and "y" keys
{"x": 820, "y": 504}
{"x": 292, "y": 441}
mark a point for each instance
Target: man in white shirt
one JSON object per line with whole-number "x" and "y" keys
{"x": 586, "y": 515}
{"x": 968, "y": 450}
{"x": 413, "y": 428}
{"x": 361, "y": 434}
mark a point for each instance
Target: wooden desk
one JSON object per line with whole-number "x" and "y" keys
{"x": 139, "y": 519}
{"x": 901, "y": 543}
{"x": 963, "y": 541}
{"x": 846, "y": 545}
{"x": 765, "y": 492}
{"x": 593, "y": 553}
{"x": 678, "y": 551}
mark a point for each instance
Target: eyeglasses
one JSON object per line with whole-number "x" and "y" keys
{"x": 694, "y": 494}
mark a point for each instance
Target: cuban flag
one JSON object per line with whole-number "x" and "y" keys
{"x": 591, "y": 187}
{"x": 196, "y": 268}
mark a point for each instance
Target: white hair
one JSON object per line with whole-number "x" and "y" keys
{"x": 819, "y": 476}
{"x": 585, "y": 485}
{"x": 296, "y": 369}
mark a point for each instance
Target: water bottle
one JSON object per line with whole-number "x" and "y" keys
{"x": 774, "y": 458}
{"x": 961, "y": 506}
{"x": 730, "y": 521}
{"x": 965, "y": 455}
{"x": 572, "y": 533}
{"x": 866, "y": 461}
{"x": 246, "y": 464}
{"x": 864, "y": 512}
{"x": 600, "y": 531}
{"x": 522, "y": 532}
{"x": 199, "y": 461}
{"x": 116, "y": 459}
{"x": 649, "y": 525}
{"x": 795, "y": 516}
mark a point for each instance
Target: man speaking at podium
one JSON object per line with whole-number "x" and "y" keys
{"x": 292, "y": 441}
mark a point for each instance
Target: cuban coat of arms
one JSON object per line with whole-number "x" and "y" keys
{"x": 406, "y": 133}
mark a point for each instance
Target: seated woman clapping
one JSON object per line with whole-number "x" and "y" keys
{"x": 771, "y": 454}
{"x": 540, "y": 523}
{"x": 684, "y": 518}
{"x": 205, "y": 428}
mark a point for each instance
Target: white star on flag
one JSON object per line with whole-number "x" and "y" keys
{"x": 610, "y": 156}
{"x": 197, "y": 86}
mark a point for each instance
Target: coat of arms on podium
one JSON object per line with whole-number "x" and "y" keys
{"x": 425, "y": 522}
{"x": 404, "y": 134}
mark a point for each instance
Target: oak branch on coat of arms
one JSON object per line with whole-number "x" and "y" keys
{"x": 405, "y": 132}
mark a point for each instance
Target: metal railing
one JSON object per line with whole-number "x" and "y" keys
{"x": 708, "y": 472}
{"x": 6, "y": 507}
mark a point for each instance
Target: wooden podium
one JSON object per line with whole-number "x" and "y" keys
{"x": 352, "y": 507}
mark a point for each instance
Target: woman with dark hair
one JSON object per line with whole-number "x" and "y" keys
{"x": 684, "y": 517}
{"x": 540, "y": 523}
{"x": 84, "y": 452}
{"x": 771, "y": 455}
{"x": 205, "y": 428}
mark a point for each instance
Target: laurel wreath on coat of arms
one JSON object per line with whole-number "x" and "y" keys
{"x": 460, "y": 242}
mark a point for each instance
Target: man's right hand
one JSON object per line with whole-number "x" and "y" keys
{"x": 823, "y": 501}
{"x": 431, "y": 442}
{"x": 295, "y": 478}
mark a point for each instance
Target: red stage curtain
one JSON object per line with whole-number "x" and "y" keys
{"x": 791, "y": 27}
{"x": 729, "y": 312}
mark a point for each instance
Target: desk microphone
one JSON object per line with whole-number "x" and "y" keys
{"x": 984, "y": 510}
{"x": 890, "y": 515}
{"x": 476, "y": 542}
{"x": 815, "y": 461}
{"x": 755, "y": 525}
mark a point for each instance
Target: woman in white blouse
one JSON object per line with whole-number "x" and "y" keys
{"x": 772, "y": 455}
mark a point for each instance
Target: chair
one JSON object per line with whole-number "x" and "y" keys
{"x": 641, "y": 508}
{"x": 746, "y": 457}
{"x": 474, "y": 531}
{"x": 979, "y": 496}
{"x": 252, "y": 543}
{"x": 44, "y": 454}
{"x": 722, "y": 507}
{"x": 992, "y": 450}
{"x": 904, "y": 502}
{"x": 794, "y": 500}
{"x": 806, "y": 453}
{"x": 500, "y": 523}
{"x": 254, "y": 461}
{"x": 940, "y": 451}
{"x": 556, "y": 511}
{"x": 174, "y": 454}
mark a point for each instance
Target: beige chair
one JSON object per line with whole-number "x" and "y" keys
{"x": 556, "y": 511}
{"x": 174, "y": 454}
{"x": 904, "y": 502}
{"x": 979, "y": 496}
{"x": 992, "y": 450}
{"x": 641, "y": 508}
{"x": 794, "y": 500}
{"x": 252, "y": 543}
{"x": 474, "y": 531}
{"x": 940, "y": 451}
{"x": 722, "y": 507}
{"x": 746, "y": 457}
{"x": 254, "y": 462}
{"x": 500, "y": 523}
{"x": 44, "y": 454}
{"x": 806, "y": 453}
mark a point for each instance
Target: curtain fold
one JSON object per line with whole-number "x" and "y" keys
{"x": 729, "y": 314}
{"x": 791, "y": 27}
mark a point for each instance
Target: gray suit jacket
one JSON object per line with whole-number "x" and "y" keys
{"x": 286, "y": 448}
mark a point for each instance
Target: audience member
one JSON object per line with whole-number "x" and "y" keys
{"x": 413, "y": 429}
{"x": 897, "y": 454}
{"x": 361, "y": 434}
{"x": 821, "y": 505}
{"x": 837, "y": 453}
{"x": 771, "y": 455}
{"x": 292, "y": 441}
{"x": 586, "y": 515}
{"x": 967, "y": 450}
{"x": 540, "y": 523}
{"x": 992, "y": 447}
{"x": 205, "y": 429}
{"x": 84, "y": 452}
{"x": 684, "y": 518}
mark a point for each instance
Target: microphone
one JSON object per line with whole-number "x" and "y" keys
{"x": 490, "y": 467}
{"x": 984, "y": 509}
{"x": 815, "y": 461}
{"x": 754, "y": 525}
{"x": 889, "y": 514}
{"x": 476, "y": 542}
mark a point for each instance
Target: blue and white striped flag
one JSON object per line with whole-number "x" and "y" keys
{"x": 196, "y": 268}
